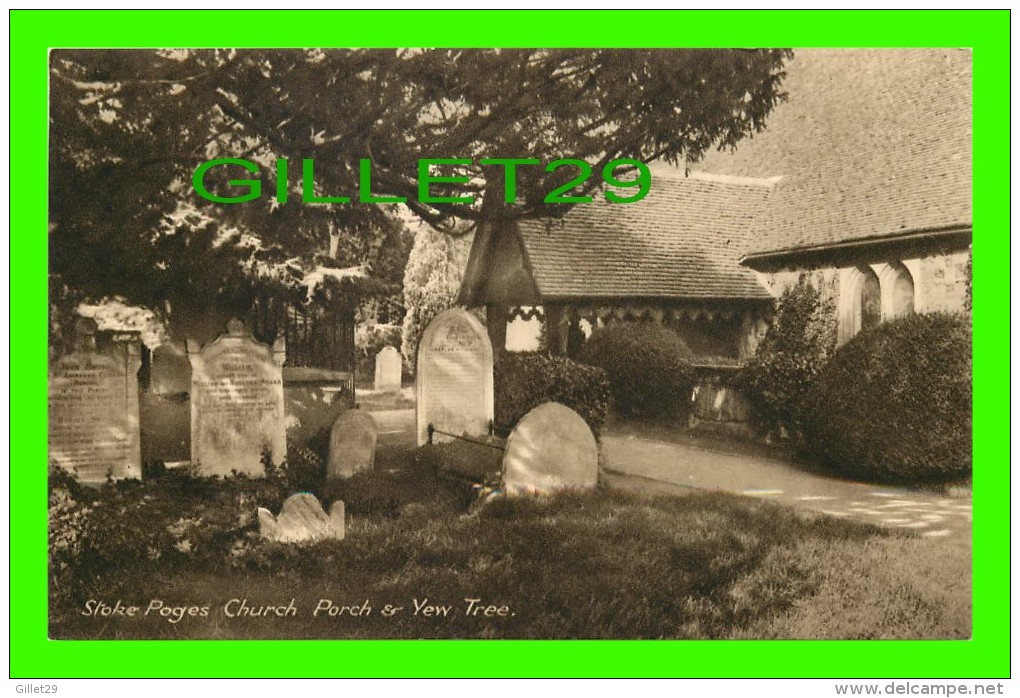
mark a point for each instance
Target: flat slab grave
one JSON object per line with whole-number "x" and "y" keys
{"x": 388, "y": 367}
{"x": 93, "y": 410}
{"x": 454, "y": 383}
{"x": 237, "y": 407}
{"x": 352, "y": 442}
{"x": 550, "y": 449}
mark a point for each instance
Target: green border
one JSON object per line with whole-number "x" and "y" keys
{"x": 33, "y": 32}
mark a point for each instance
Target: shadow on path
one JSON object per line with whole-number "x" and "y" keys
{"x": 640, "y": 463}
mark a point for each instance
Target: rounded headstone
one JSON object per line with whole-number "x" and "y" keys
{"x": 454, "y": 379}
{"x": 551, "y": 448}
{"x": 352, "y": 442}
{"x": 388, "y": 367}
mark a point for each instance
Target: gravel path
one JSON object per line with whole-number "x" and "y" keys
{"x": 641, "y": 463}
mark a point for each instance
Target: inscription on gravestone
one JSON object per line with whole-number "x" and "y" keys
{"x": 237, "y": 408}
{"x": 387, "y": 370}
{"x": 454, "y": 382}
{"x": 93, "y": 409}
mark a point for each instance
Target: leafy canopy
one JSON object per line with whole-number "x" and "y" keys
{"x": 129, "y": 127}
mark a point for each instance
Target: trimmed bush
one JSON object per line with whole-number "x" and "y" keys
{"x": 799, "y": 341}
{"x": 525, "y": 380}
{"x": 649, "y": 367}
{"x": 894, "y": 404}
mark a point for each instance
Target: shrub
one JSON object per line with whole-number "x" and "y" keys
{"x": 648, "y": 366}
{"x": 798, "y": 343}
{"x": 894, "y": 404}
{"x": 968, "y": 289}
{"x": 525, "y": 380}
{"x": 131, "y": 529}
{"x": 432, "y": 278}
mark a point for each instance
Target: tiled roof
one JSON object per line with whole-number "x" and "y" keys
{"x": 683, "y": 241}
{"x": 872, "y": 143}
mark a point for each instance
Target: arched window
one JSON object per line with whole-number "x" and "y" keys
{"x": 870, "y": 300}
{"x": 901, "y": 291}
{"x": 860, "y": 302}
{"x": 867, "y": 298}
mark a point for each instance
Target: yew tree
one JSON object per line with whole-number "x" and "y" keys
{"x": 130, "y": 127}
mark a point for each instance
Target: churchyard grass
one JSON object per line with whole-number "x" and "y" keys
{"x": 602, "y": 564}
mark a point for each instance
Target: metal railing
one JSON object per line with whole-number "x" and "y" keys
{"x": 431, "y": 430}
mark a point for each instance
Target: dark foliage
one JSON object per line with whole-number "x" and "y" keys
{"x": 894, "y": 404}
{"x": 129, "y": 127}
{"x": 159, "y": 524}
{"x": 525, "y": 380}
{"x": 648, "y": 365}
{"x": 799, "y": 341}
{"x": 134, "y": 530}
{"x": 412, "y": 484}
{"x": 968, "y": 298}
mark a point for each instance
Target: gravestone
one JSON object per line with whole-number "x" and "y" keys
{"x": 237, "y": 407}
{"x": 352, "y": 443}
{"x": 93, "y": 409}
{"x": 302, "y": 520}
{"x": 388, "y": 365}
{"x": 454, "y": 381}
{"x": 551, "y": 448}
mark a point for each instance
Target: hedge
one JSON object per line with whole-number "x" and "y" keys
{"x": 649, "y": 367}
{"x": 894, "y": 404}
{"x": 524, "y": 380}
{"x": 795, "y": 349}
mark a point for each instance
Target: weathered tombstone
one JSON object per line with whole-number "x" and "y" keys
{"x": 388, "y": 366}
{"x": 93, "y": 410}
{"x": 237, "y": 407}
{"x": 352, "y": 443}
{"x": 454, "y": 382}
{"x": 302, "y": 520}
{"x": 551, "y": 448}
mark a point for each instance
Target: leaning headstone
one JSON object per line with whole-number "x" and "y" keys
{"x": 551, "y": 448}
{"x": 352, "y": 443}
{"x": 237, "y": 409}
{"x": 302, "y": 520}
{"x": 388, "y": 365}
{"x": 454, "y": 380}
{"x": 93, "y": 410}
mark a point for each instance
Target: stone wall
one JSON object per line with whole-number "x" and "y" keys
{"x": 939, "y": 284}
{"x": 943, "y": 281}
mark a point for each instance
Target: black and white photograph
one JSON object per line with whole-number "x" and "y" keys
{"x": 557, "y": 343}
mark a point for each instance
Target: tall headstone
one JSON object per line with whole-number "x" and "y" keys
{"x": 388, "y": 365}
{"x": 454, "y": 381}
{"x": 237, "y": 408}
{"x": 352, "y": 442}
{"x": 551, "y": 448}
{"x": 93, "y": 409}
